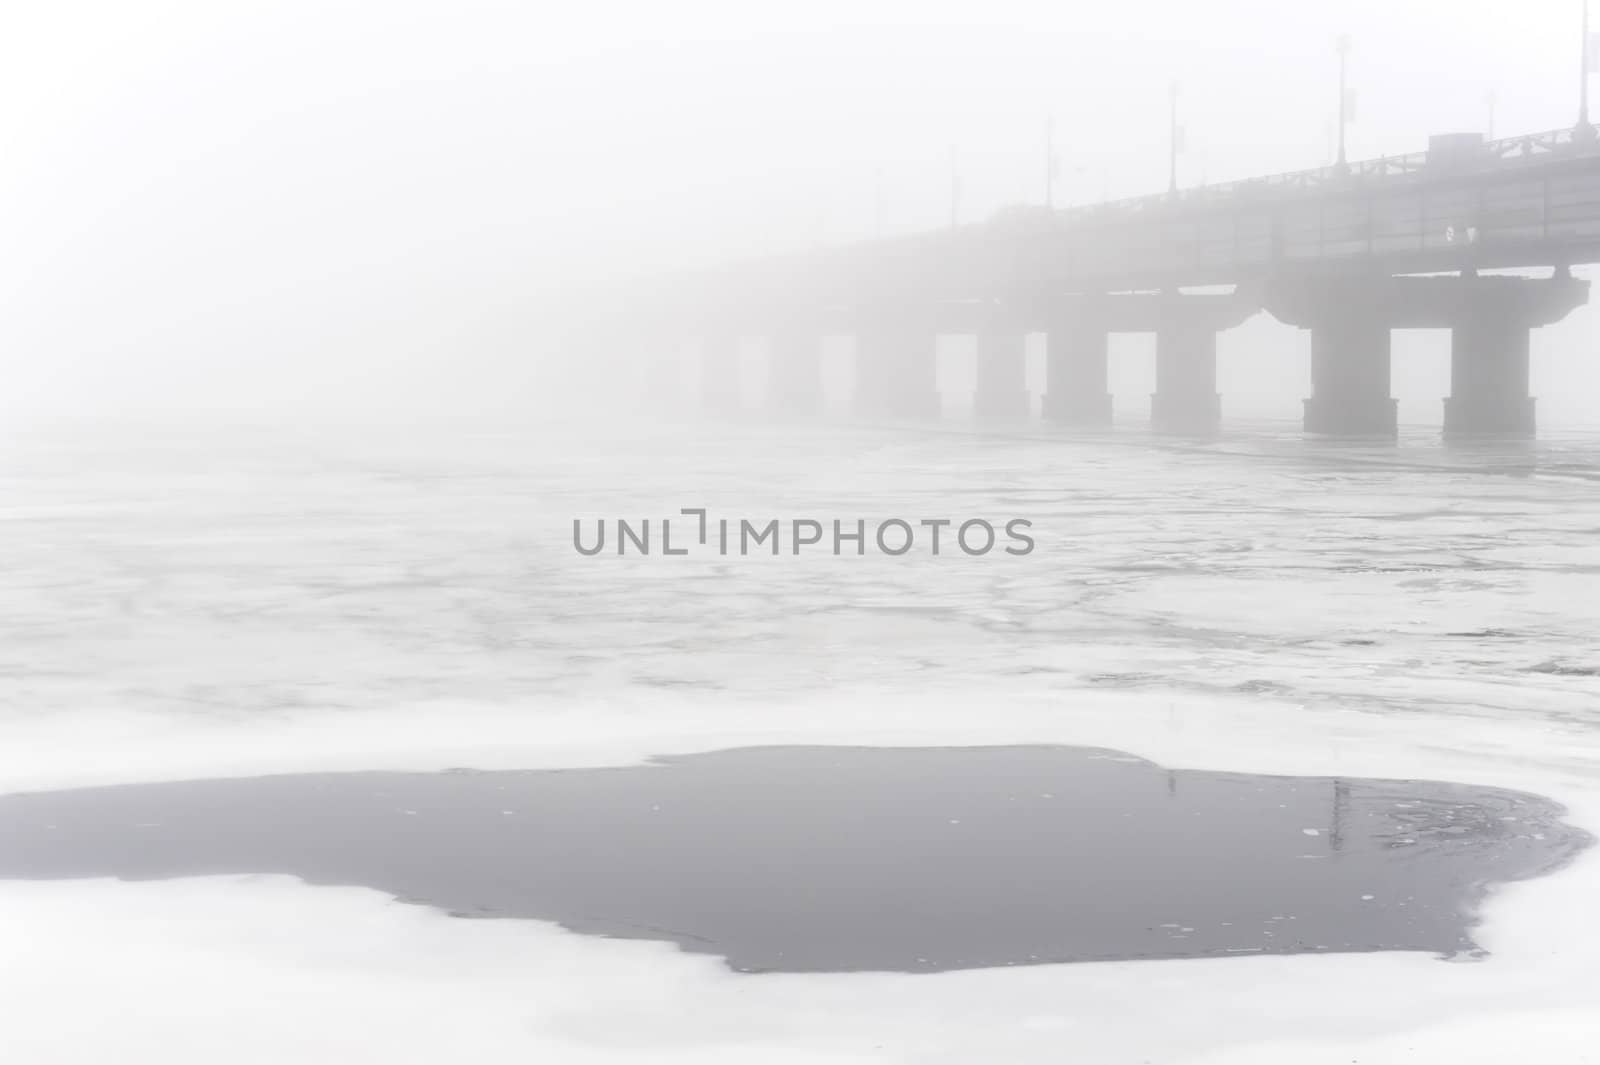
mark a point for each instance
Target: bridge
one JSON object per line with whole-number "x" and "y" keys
{"x": 1348, "y": 252}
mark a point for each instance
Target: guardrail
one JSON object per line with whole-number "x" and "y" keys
{"x": 1497, "y": 154}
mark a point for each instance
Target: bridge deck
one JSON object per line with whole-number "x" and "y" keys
{"x": 1523, "y": 202}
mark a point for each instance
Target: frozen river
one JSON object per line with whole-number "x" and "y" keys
{"x": 207, "y": 603}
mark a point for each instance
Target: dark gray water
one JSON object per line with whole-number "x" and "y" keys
{"x": 805, "y": 859}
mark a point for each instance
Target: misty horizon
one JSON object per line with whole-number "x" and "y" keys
{"x": 303, "y": 208}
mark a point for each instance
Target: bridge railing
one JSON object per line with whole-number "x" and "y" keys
{"x": 1516, "y": 202}
{"x": 1503, "y": 215}
{"x": 1533, "y": 148}
{"x": 1538, "y": 144}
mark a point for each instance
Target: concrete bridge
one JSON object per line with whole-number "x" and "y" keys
{"x": 1347, "y": 252}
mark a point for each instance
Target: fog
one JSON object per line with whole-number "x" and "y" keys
{"x": 531, "y": 461}
{"x": 348, "y": 209}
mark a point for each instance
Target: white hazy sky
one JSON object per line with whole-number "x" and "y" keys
{"x": 239, "y": 204}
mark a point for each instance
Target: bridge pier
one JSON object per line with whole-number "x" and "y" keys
{"x": 1490, "y": 341}
{"x": 1351, "y": 349}
{"x": 895, "y": 373}
{"x": 1002, "y": 391}
{"x": 794, "y": 373}
{"x": 1492, "y": 321}
{"x": 1186, "y": 400}
{"x": 1076, "y": 357}
{"x": 1489, "y": 379}
{"x": 1350, "y": 371}
{"x": 721, "y": 391}
{"x": 663, "y": 383}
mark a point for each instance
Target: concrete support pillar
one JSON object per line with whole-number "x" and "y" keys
{"x": 720, "y": 388}
{"x": 1076, "y": 356}
{"x": 1492, "y": 321}
{"x": 1350, "y": 363}
{"x": 1489, "y": 377}
{"x": 1185, "y": 400}
{"x": 1490, "y": 317}
{"x": 794, "y": 373}
{"x": 1002, "y": 392}
{"x": 895, "y": 370}
{"x": 664, "y": 384}
{"x": 1351, "y": 315}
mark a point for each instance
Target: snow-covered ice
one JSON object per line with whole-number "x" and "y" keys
{"x": 230, "y": 603}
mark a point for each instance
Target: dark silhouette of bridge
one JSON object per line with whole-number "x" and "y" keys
{"x": 1349, "y": 252}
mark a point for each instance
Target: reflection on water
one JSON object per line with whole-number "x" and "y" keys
{"x": 851, "y": 858}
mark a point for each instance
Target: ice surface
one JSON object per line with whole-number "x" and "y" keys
{"x": 334, "y": 602}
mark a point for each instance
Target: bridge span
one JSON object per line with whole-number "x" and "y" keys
{"x": 1346, "y": 252}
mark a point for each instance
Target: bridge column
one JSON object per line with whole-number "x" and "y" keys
{"x": 1350, "y": 362}
{"x": 1491, "y": 321}
{"x": 663, "y": 384}
{"x": 1350, "y": 380}
{"x": 1075, "y": 373}
{"x": 1350, "y": 315}
{"x": 1491, "y": 333}
{"x": 1489, "y": 378}
{"x": 720, "y": 388}
{"x": 794, "y": 373}
{"x": 1186, "y": 399}
{"x": 1002, "y": 392}
{"x": 895, "y": 372}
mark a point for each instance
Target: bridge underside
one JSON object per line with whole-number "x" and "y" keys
{"x": 1350, "y": 316}
{"x": 895, "y": 370}
{"x": 1341, "y": 252}
{"x": 1491, "y": 320}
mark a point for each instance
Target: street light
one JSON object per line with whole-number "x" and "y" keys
{"x": 1585, "y": 130}
{"x": 1175, "y": 136}
{"x": 877, "y": 192}
{"x": 1050, "y": 163}
{"x": 955, "y": 186}
{"x": 1344, "y": 93}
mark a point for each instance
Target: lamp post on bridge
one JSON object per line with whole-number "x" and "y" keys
{"x": 1175, "y": 138}
{"x": 1344, "y": 94}
{"x": 877, "y": 194}
{"x": 1585, "y": 130}
{"x": 1050, "y": 164}
{"x": 955, "y": 186}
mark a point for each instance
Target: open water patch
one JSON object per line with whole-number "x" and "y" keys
{"x": 828, "y": 859}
